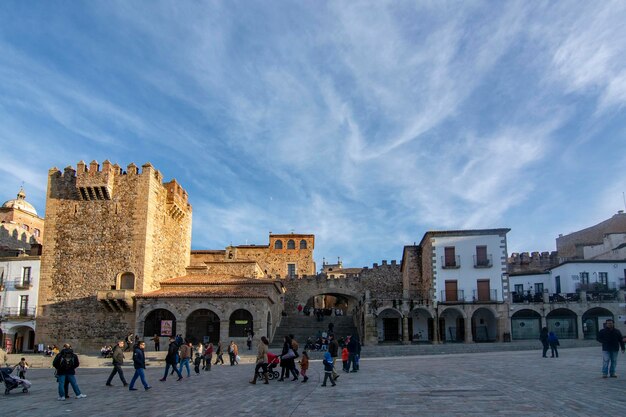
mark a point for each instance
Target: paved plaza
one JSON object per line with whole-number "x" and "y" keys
{"x": 514, "y": 383}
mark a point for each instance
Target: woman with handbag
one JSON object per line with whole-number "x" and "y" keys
{"x": 286, "y": 359}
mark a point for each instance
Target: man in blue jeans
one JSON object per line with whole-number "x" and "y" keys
{"x": 139, "y": 363}
{"x": 611, "y": 340}
{"x": 66, "y": 363}
{"x": 170, "y": 360}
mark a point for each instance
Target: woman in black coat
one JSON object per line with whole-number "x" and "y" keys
{"x": 286, "y": 363}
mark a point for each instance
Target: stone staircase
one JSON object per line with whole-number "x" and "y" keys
{"x": 303, "y": 327}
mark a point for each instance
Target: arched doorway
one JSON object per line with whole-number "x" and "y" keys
{"x": 593, "y": 321}
{"x": 239, "y": 322}
{"x": 451, "y": 326}
{"x": 389, "y": 324}
{"x": 203, "y": 325}
{"x": 161, "y": 322}
{"x": 525, "y": 325}
{"x": 420, "y": 324}
{"x": 23, "y": 339}
{"x": 331, "y": 302}
{"x": 562, "y": 322}
{"x": 484, "y": 325}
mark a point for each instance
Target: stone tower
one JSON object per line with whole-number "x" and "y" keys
{"x": 110, "y": 235}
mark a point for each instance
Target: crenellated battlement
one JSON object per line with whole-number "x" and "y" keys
{"x": 526, "y": 261}
{"x": 383, "y": 264}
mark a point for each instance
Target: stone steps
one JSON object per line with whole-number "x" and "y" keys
{"x": 303, "y": 327}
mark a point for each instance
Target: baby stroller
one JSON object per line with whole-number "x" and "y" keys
{"x": 273, "y": 362}
{"x": 12, "y": 382}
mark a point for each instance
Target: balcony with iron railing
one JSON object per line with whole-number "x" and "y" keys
{"x": 449, "y": 296}
{"x": 18, "y": 312}
{"x": 483, "y": 262}
{"x": 486, "y": 296}
{"x": 451, "y": 262}
{"x": 22, "y": 284}
{"x": 596, "y": 287}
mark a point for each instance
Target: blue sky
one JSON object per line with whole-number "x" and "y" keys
{"x": 364, "y": 123}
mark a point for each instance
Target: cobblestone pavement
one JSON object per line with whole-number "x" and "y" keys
{"x": 518, "y": 383}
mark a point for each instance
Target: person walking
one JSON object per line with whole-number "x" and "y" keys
{"x": 185, "y": 356}
{"x": 21, "y": 367}
{"x": 118, "y": 361}
{"x": 333, "y": 349}
{"x": 233, "y": 351}
{"x": 328, "y": 369}
{"x": 66, "y": 363}
{"x": 304, "y": 366}
{"x": 197, "y": 360}
{"x": 294, "y": 347}
{"x": 208, "y": 356}
{"x": 286, "y": 359}
{"x": 249, "y": 341}
{"x": 553, "y": 343}
{"x": 170, "y": 360}
{"x": 612, "y": 341}
{"x": 139, "y": 363}
{"x": 354, "y": 348}
{"x": 157, "y": 342}
{"x": 261, "y": 360}
{"x": 130, "y": 338}
{"x": 543, "y": 336}
{"x": 219, "y": 354}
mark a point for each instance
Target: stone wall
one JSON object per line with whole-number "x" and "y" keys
{"x": 91, "y": 240}
{"x": 571, "y": 245}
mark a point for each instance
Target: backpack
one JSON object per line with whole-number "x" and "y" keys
{"x": 66, "y": 361}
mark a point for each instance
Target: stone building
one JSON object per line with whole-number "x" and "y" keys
{"x": 20, "y": 225}
{"x": 571, "y": 246}
{"x": 111, "y": 234}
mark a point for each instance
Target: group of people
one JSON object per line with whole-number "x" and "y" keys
{"x": 610, "y": 337}
{"x": 350, "y": 354}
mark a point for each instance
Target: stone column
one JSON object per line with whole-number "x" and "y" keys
{"x": 405, "y": 330}
{"x": 468, "y": 329}
{"x": 579, "y": 324}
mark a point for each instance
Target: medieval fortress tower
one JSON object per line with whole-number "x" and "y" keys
{"x": 111, "y": 234}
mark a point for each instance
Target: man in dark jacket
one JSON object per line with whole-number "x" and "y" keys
{"x": 611, "y": 340}
{"x": 118, "y": 361}
{"x": 65, "y": 364}
{"x": 354, "y": 350}
{"x": 139, "y": 363}
{"x": 333, "y": 349}
{"x": 170, "y": 359}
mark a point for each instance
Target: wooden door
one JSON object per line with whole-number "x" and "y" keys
{"x": 483, "y": 290}
{"x": 391, "y": 333}
{"x": 451, "y": 291}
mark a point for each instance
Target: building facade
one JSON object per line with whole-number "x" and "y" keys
{"x": 111, "y": 234}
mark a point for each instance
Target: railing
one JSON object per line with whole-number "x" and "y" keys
{"x": 482, "y": 262}
{"x": 485, "y": 297}
{"x": 12, "y": 312}
{"x": 526, "y": 297}
{"x": 451, "y": 263}
{"x": 20, "y": 284}
{"x": 452, "y": 296}
{"x": 596, "y": 287}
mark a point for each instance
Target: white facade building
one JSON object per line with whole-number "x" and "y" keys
{"x": 19, "y": 284}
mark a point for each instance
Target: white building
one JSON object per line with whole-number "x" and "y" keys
{"x": 19, "y": 285}
{"x": 573, "y": 299}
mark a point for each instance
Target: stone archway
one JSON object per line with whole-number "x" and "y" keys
{"x": 420, "y": 325}
{"x": 563, "y": 322}
{"x": 203, "y": 325}
{"x": 451, "y": 325}
{"x": 23, "y": 339}
{"x": 525, "y": 325}
{"x": 389, "y": 325}
{"x": 484, "y": 325}
{"x": 239, "y": 322}
{"x": 161, "y": 322}
{"x": 593, "y": 320}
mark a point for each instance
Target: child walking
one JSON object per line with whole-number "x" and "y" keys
{"x": 21, "y": 367}
{"x": 304, "y": 365}
{"x": 328, "y": 369}
{"x": 344, "y": 358}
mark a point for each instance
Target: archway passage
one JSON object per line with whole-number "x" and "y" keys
{"x": 484, "y": 325}
{"x": 23, "y": 339}
{"x": 593, "y": 320}
{"x": 389, "y": 323}
{"x": 420, "y": 325}
{"x": 451, "y": 326}
{"x": 161, "y": 322}
{"x": 239, "y": 323}
{"x": 330, "y": 303}
{"x": 525, "y": 325}
{"x": 562, "y": 322}
{"x": 203, "y": 325}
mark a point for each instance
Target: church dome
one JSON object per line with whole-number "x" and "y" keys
{"x": 20, "y": 203}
